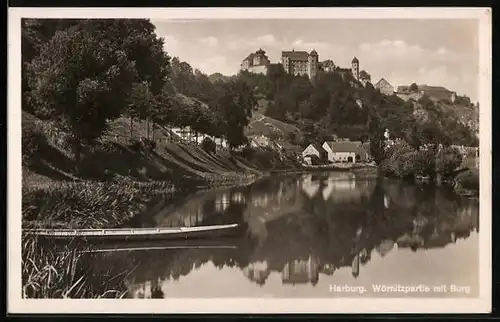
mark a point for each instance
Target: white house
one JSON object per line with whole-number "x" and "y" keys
{"x": 346, "y": 151}
{"x": 313, "y": 150}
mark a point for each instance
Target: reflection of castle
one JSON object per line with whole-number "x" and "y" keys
{"x": 222, "y": 202}
{"x": 343, "y": 238}
{"x": 301, "y": 272}
{"x": 362, "y": 257}
{"x": 257, "y": 272}
{"x": 149, "y": 290}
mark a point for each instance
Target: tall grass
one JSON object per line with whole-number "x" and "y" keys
{"x": 51, "y": 272}
{"x": 88, "y": 204}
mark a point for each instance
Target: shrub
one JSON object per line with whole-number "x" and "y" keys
{"x": 469, "y": 179}
{"x": 149, "y": 144}
{"x": 447, "y": 160}
{"x": 32, "y": 142}
{"x": 425, "y": 163}
{"x": 247, "y": 152}
{"x": 142, "y": 145}
{"x": 208, "y": 145}
{"x": 265, "y": 157}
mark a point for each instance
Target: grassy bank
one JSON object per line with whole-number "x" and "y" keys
{"x": 88, "y": 204}
{"x": 119, "y": 176}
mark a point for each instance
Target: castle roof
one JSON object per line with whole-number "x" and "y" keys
{"x": 260, "y": 52}
{"x": 295, "y": 55}
{"x": 355, "y": 60}
{"x": 314, "y": 53}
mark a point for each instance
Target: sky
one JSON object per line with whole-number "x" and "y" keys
{"x": 439, "y": 52}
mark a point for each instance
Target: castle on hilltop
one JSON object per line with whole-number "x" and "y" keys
{"x": 300, "y": 62}
{"x": 256, "y": 63}
{"x": 297, "y": 62}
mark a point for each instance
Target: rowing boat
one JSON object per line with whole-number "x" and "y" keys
{"x": 137, "y": 233}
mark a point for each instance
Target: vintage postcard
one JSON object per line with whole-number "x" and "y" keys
{"x": 237, "y": 160}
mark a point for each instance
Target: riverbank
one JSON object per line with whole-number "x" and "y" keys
{"x": 121, "y": 170}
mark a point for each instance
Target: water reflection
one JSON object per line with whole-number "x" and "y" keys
{"x": 312, "y": 230}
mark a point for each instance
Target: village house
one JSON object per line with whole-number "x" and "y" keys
{"x": 313, "y": 150}
{"x": 384, "y": 87}
{"x": 347, "y": 151}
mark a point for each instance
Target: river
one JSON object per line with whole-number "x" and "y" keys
{"x": 324, "y": 235}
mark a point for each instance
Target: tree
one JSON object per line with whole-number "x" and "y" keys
{"x": 234, "y": 106}
{"x": 139, "y": 103}
{"x": 35, "y": 33}
{"x": 448, "y": 159}
{"x": 83, "y": 75}
{"x": 376, "y": 136}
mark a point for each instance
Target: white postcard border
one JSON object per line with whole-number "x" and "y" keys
{"x": 15, "y": 303}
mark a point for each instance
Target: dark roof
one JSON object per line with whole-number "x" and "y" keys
{"x": 259, "y": 52}
{"x": 314, "y": 53}
{"x": 296, "y": 55}
{"x": 345, "y": 146}
{"x": 355, "y": 60}
{"x": 437, "y": 92}
{"x": 402, "y": 88}
{"x": 433, "y": 88}
{"x": 344, "y": 69}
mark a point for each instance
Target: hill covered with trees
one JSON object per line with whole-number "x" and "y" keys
{"x": 340, "y": 105}
{"x": 83, "y": 75}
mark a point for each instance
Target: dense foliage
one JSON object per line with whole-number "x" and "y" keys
{"x": 85, "y": 73}
{"x": 403, "y": 161}
{"x": 338, "y": 104}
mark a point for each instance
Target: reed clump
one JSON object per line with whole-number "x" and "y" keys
{"x": 88, "y": 204}
{"x": 49, "y": 272}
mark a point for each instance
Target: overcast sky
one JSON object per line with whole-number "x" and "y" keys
{"x": 432, "y": 52}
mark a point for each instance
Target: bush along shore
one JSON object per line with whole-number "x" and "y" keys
{"x": 438, "y": 164}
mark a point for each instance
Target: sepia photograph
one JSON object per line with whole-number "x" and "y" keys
{"x": 249, "y": 160}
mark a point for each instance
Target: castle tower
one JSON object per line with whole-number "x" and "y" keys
{"x": 355, "y": 68}
{"x": 453, "y": 97}
{"x": 312, "y": 64}
{"x": 258, "y": 58}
